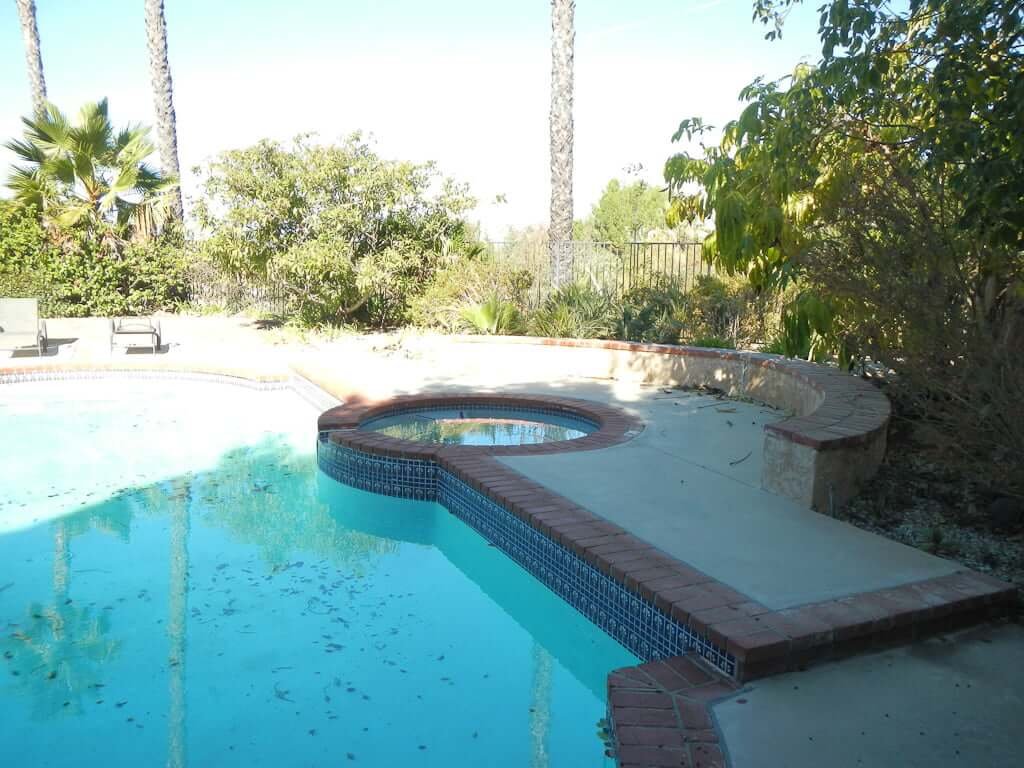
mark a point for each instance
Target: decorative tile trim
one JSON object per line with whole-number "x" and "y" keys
{"x": 632, "y": 620}
{"x": 404, "y": 478}
{"x": 624, "y": 615}
{"x": 21, "y": 376}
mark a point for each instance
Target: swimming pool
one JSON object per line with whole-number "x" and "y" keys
{"x": 480, "y": 425}
{"x": 179, "y": 585}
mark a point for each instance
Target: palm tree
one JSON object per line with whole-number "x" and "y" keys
{"x": 86, "y": 174}
{"x": 34, "y": 59}
{"x": 560, "y": 228}
{"x": 163, "y": 96}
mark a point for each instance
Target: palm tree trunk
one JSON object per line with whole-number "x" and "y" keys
{"x": 560, "y": 228}
{"x": 163, "y": 95}
{"x": 33, "y": 58}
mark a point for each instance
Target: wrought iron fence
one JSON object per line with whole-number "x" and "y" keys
{"x": 611, "y": 267}
{"x": 211, "y": 289}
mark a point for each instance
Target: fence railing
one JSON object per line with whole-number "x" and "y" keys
{"x": 211, "y": 289}
{"x": 614, "y": 268}
{"x": 610, "y": 267}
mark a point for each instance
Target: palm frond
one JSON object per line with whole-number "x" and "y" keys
{"x": 29, "y": 187}
{"x": 26, "y": 151}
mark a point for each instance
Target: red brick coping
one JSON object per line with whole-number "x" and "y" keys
{"x": 660, "y": 713}
{"x": 614, "y": 425}
{"x": 820, "y": 456}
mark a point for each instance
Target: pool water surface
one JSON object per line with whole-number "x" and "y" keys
{"x": 480, "y": 425}
{"x": 180, "y": 586}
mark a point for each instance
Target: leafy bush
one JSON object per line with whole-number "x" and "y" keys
{"x": 575, "y": 311}
{"x": 901, "y": 220}
{"x": 714, "y": 342}
{"x": 722, "y": 309}
{"x": 81, "y": 277}
{"x": 472, "y": 281}
{"x": 352, "y": 237}
{"x": 23, "y": 242}
{"x": 650, "y": 314}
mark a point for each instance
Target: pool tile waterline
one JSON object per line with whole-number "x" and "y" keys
{"x": 632, "y": 620}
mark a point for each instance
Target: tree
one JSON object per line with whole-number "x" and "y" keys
{"x": 885, "y": 183}
{"x": 625, "y": 214}
{"x": 33, "y": 57}
{"x": 350, "y": 235}
{"x": 560, "y": 229}
{"x": 85, "y": 175}
{"x": 163, "y": 96}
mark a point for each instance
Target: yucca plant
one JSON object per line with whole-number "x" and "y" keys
{"x": 575, "y": 311}
{"x": 493, "y": 317}
{"x": 86, "y": 174}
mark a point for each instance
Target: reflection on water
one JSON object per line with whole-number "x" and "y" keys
{"x": 161, "y": 624}
{"x": 479, "y": 426}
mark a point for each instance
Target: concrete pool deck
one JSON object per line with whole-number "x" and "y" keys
{"x": 691, "y": 479}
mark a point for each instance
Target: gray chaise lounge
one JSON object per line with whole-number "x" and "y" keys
{"x": 20, "y": 326}
{"x": 128, "y": 327}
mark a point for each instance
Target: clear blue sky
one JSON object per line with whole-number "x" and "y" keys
{"x": 461, "y": 82}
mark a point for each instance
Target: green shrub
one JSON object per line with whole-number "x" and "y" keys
{"x": 81, "y": 277}
{"x": 145, "y": 278}
{"x": 576, "y": 311}
{"x": 320, "y": 280}
{"x": 715, "y": 342}
{"x": 355, "y": 237}
{"x": 22, "y": 245}
{"x": 493, "y": 316}
{"x": 649, "y": 314}
{"x": 471, "y": 281}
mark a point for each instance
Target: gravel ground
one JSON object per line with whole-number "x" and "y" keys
{"x": 922, "y": 497}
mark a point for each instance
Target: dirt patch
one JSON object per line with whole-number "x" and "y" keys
{"x": 924, "y": 497}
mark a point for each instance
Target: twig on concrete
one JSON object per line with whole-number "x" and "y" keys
{"x": 740, "y": 461}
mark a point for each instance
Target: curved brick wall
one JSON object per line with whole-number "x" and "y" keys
{"x": 820, "y": 456}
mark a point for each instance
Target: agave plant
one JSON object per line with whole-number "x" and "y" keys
{"x": 86, "y": 173}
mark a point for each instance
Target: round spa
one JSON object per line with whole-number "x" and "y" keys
{"x": 481, "y": 425}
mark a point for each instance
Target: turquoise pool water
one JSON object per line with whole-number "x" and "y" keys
{"x": 180, "y": 586}
{"x": 477, "y": 425}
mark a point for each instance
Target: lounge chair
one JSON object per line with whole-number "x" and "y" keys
{"x": 20, "y": 326}
{"x": 128, "y": 327}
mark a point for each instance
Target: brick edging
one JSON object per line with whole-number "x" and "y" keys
{"x": 614, "y": 425}
{"x": 659, "y": 714}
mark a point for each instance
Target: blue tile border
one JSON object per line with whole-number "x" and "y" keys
{"x": 626, "y": 616}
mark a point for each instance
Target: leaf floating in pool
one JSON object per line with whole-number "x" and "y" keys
{"x": 120, "y": 704}
{"x": 350, "y": 756}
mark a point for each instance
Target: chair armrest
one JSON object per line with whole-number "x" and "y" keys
{"x": 42, "y": 329}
